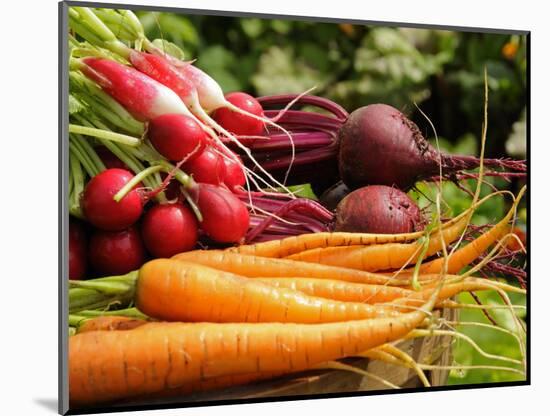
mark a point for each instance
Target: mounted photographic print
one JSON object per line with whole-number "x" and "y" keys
{"x": 265, "y": 208}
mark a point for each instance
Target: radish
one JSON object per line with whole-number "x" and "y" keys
{"x": 77, "y": 250}
{"x": 141, "y": 95}
{"x": 168, "y": 229}
{"x": 380, "y": 145}
{"x": 208, "y": 167}
{"x": 234, "y": 174}
{"x": 378, "y": 209}
{"x": 195, "y": 87}
{"x": 177, "y": 136}
{"x": 225, "y": 217}
{"x": 100, "y": 207}
{"x": 116, "y": 252}
{"x": 240, "y": 123}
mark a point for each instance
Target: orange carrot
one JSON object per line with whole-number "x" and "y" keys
{"x": 292, "y": 245}
{"x": 340, "y": 290}
{"x": 173, "y": 290}
{"x": 452, "y": 289}
{"x": 381, "y": 256}
{"x": 110, "y": 323}
{"x": 254, "y": 266}
{"x": 467, "y": 254}
{"x": 111, "y": 365}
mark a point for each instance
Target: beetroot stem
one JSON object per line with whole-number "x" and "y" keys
{"x": 314, "y": 100}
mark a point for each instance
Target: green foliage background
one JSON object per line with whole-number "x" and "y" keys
{"x": 439, "y": 71}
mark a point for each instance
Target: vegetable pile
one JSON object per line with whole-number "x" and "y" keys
{"x": 193, "y": 263}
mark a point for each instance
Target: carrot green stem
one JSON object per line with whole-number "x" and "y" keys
{"x": 102, "y": 292}
{"x": 128, "y": 312}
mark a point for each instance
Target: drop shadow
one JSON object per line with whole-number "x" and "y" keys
{"x": 48, "y": 404}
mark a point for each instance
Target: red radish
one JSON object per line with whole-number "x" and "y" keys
{"x": 172, "y": 190}
{"x": 225, "y": 217}
{"x": 102, "y": 210}
{"x": 109, "y": 159}
{"x": 116, "y": 252}
{"x": 378, "y": 209}
{"x": 380, "y": 145}
{"x": 200, "y": 93}
{"x": 168, "y": 229}
{"x": 208, "y": 167}
{"x": 239, "y": 123}
{"x": 234, "y": 173}
{"x": 177, "y": 136}
{"x": 77, "y": 250}
{"x": 142, "y": 96}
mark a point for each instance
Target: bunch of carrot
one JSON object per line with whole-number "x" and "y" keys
{"x": 208, "y": 319}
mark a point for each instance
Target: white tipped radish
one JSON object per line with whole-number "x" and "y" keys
{"x": 141, "y": 95}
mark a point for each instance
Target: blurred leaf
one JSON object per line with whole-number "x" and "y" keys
{"x": 280, "y": 72}
{"x": 516, "y": 145}
{"x": 169, "y": 48}
{"x": 252, "y": 27}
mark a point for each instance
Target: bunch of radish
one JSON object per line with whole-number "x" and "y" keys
{"x": 154, "y": 141}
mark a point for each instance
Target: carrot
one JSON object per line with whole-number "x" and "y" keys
{"x": 452, "y": 289}
{"x": 467, "y": 254}
{"x": 254, "y": 266}
{"x": 340, "y": 290}
{"x": 111, "y": 365}
{"x": 295, "y": 244}
{"x": 380, "y": 256}
{"x": 174, "y": 290}
{"x": 110, "y": 323}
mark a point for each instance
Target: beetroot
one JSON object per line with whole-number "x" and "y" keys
{"x": 378, "y": 209}
{"x": 116, "y": 252}
{"x": 102, "y": 210}
{"x": 380, "y": 145}
{"x": 77, "y": 250}
{"x": 168, "y": 229}
{"x": 225, "y": 217}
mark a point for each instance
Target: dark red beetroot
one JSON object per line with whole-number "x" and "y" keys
{"x": 225, "y": 217}
{"x": 168, "y": 229}
{"x": 116, "y": 252}
{"x": 77, "y": 250}
{"x": 177, "y": 136}
{"x": 208, "y": 167}
{"x": 378, "y": 209}
{"x": 238, "y": 123}
{"x": 380, "y": 145}
{"x": 102, "y": 210}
